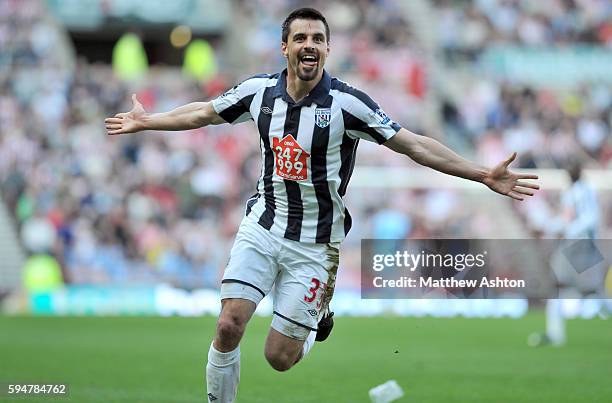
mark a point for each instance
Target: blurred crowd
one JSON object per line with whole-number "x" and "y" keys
{"x": 165, "y": 207}
{"x": 467, "y": 27}
{"x": 546, "y": 127}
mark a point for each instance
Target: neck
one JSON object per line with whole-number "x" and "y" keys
{"x": 298, "y": 89}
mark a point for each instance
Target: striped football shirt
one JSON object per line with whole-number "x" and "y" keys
{"x": 308, "y": 151}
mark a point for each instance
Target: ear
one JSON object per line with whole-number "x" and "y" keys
{"x": 284, "y": 49}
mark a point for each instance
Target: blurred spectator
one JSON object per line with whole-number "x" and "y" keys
{"x": 42, "y": 273}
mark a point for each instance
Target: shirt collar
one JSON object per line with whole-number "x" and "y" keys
{"x": 318, "y": 94}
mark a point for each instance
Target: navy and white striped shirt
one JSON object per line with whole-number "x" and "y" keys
{"x": 581, "y": 200}
{"x": 308, "y": 151}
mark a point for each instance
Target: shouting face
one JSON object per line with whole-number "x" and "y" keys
{"x": 306, "y": 48}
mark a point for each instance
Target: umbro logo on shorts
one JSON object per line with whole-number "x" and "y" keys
{"x": 312, "y": 313}
{"x": 266, "y": 110}
{"x": 211, "y": 397}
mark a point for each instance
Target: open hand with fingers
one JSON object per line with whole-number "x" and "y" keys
{"x": 128, "y": 122}
{"x": 501, "y": 180}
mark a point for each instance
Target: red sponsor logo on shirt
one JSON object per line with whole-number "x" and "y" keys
{"x": 291, "y": 159}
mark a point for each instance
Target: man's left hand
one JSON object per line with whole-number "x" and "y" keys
{"x": 503, "y": 181}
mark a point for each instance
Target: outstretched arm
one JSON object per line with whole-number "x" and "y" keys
{"x": 186, "y": 117}
{"x": 431, "y": 153}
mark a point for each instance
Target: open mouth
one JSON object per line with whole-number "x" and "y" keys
{"x": 309, "y": 60}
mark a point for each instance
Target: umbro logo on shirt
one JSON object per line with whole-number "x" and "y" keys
{"x": 266, "y": 110}
{"x": 211, "y": 397}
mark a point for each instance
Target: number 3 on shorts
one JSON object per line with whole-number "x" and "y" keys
{"x": 312, "y": 292}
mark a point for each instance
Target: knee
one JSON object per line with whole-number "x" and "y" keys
{"x": 230, "y": 329}
{"x": 279, "y": 360}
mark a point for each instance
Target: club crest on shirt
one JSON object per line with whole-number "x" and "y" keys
{"x": 322, "y": 117}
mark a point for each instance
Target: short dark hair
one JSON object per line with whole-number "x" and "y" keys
{"x": 574, "y": 169}
{"x": 305, "y": 13}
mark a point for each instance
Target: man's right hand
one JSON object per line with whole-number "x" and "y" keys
{"x": 128, "y": 122}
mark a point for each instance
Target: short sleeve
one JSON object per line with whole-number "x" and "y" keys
{"x": 363, "y": 118}
{"x": 233, "y": 106}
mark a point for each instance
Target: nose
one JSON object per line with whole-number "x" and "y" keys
{"x": 309, "y": 44}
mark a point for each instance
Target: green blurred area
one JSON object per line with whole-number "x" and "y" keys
{"x": 136, "y": 359}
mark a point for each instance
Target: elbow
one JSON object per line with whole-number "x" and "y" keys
{"x": 411, "y": 145}
{"x": 417, "y": 153}
{"x": 413, "y": 151}
{"x": 196, "y": 122}
{"x": 201, "y": 118}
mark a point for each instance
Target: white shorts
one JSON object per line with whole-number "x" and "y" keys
{"x": 303, "y": 276}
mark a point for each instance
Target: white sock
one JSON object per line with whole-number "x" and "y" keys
{"x": 555, "y": 322}
{"x": 222, "y": 375}
{"x": 308, "y": 343}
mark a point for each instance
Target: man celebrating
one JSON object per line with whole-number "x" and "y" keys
{"x": 309, "y": 126}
